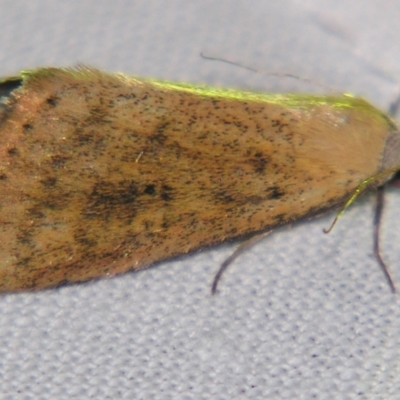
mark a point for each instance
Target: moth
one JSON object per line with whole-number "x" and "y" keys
{"x": 104, "y": 173}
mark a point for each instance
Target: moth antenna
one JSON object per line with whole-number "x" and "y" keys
{"x": 277, "y": 74}
{"x": 240, "y": 249}
{"x": 358, "y": 191}
{"x": 351, "y": 200}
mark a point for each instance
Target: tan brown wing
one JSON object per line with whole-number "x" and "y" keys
{"x": 101, "y": 173}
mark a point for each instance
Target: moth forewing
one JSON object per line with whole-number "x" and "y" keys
{"x": 102, "y": 173}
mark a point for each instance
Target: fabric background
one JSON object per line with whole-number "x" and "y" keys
{"x": 302, "y": 315}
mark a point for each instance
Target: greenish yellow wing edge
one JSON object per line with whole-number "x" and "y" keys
{"x": 285, "y": 99}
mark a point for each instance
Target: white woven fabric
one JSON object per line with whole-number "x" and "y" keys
{"x": 302, "y": 315}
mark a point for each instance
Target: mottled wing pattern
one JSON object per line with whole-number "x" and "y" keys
{"x": 102, "y": 173}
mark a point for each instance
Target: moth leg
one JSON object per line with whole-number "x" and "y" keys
{"x": 380, "y": 200}
{"x": 241, "y": 248}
